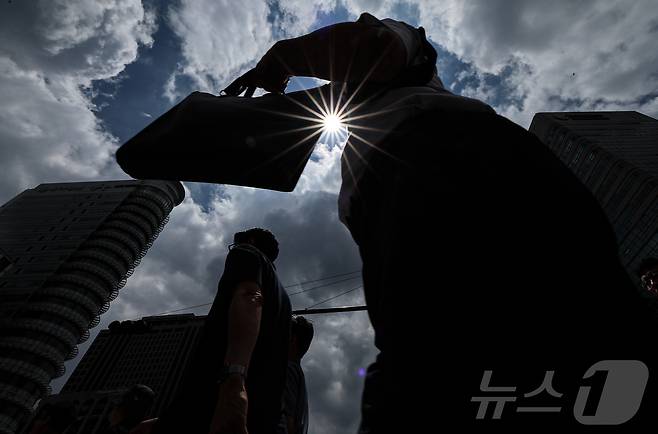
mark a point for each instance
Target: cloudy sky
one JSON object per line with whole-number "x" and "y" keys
{"x": 80, "y": 77}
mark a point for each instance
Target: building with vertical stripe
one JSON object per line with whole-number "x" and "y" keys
{"x": 66, "y": 250}
{"x": 615, "y": 154}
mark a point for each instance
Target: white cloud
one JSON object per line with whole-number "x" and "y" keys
{"x": 379, "y": 8}
{"x": 297, "y": 16}
{"x": 597, "y": 53}
{"x": 49, "y": 55}
{"x": 47, "y": 131}
{"x": 78, "y": 39}
{"x": 218, "y": 39}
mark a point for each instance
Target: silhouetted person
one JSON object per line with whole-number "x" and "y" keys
{"x": 236, "y": 379}
{"x": 295, "y": 397}
{"x": 481, "y": 250}
{"x": 130, "y": 410}
{"x": 54, "y": 418}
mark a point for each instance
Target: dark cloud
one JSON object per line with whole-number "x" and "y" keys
{"x": 341, "y": 348}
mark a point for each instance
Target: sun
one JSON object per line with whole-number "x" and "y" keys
{"x": 332, "y": 123}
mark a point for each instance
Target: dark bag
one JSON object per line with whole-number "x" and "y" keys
{"x": 262, "y": 142}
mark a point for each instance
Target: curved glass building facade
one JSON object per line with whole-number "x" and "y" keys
{"x": 65, "y": 252}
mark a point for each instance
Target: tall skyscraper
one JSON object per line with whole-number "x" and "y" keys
{"x": 153, "y": 351}
{"x": 615, "y": 154}
{"x": 65, "y": 251}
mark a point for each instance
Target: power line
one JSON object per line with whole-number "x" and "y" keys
{"x": 336, "y": 296}
{"x": 288, "y": 286}
{"x": 324, "y": 278}
{"x": 324, "y": 285}
{"x": 181, "y": 309}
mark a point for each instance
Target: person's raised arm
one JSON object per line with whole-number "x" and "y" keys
{"x": 243, "y": 323}
{"x": 351, "y": 52}
{"x": 244, "y": 317}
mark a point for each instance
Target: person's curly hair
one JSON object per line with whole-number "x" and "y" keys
{"x": 264, "y": 240}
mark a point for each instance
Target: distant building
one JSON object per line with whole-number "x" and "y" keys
{"x": 153, "y": 351}
{"x": 92, "y": 410}
{"x": 615, "y": 154}
{"x": 65, "y": 251}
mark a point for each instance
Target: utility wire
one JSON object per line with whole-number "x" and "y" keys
{"x": 181, "y": 309}
{"x": 325, "y": 278}
{"x": 324, "y": 285}
{"x": 288, "y": 286}
{"x": 336, "y": 296}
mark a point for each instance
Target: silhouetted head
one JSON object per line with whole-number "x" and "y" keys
{"x": 648, "y": 274}
{"x": 262, "y": 239}
{"x": 301, "y": 335}
{"x": 133, "y": 406}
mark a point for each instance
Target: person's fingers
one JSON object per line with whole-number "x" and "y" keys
{"x": 234, "y": 89}
{"x": 256, "y": 78}
{"x": 265, "y": 82}
{"x": 250, "y": 91}
{"x": 240, "y": 84}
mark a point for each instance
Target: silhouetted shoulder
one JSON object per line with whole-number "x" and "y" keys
{"x": 243, "y": 264}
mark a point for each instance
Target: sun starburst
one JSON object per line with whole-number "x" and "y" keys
{"x": 330, "y": 116}
{"x": 332, "y": 123}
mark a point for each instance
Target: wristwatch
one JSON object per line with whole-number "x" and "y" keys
{"x": 232, "y": 369}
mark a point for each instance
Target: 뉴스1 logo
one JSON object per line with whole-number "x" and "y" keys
{"x": 620, "y": 397}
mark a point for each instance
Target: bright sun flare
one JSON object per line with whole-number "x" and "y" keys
{"x": 332, "y": 123}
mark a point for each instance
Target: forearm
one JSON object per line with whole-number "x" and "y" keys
{"x": 243, "y": 323}
{"x": 290, "y": 422}
{"x": 342, "y": 52}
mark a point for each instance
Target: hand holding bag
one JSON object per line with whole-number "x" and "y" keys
{"x": 262, "y": 142}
